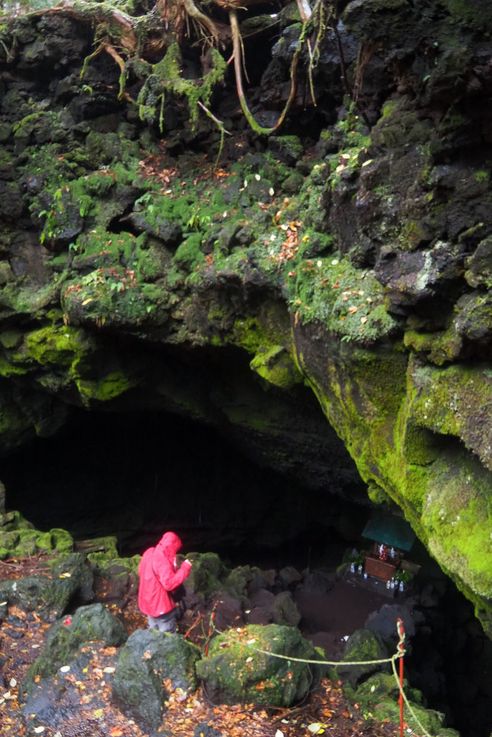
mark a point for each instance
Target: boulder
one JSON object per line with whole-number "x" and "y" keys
{"x": 379, "y": 694}
{"x": 236, "y": 672}
{"x": 239, "y": 580}
{"x": 362, "y": 645}
{"x": 205, "y": 575}
{"x": 284, "y": 610}
{"x": 146, "y": 660}
{"x": 382, "y": 622}
{"x": 289, "y": 576}
{"x": 50, "y": 595}
{"x": 228, "y": 611}
{"x": 89, "y": 623}
{"x": 55, "y": 699}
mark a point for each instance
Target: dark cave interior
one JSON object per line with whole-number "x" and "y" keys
{"x": 136, "y": 474}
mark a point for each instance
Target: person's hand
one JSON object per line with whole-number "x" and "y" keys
{"x": 188, "y": 561}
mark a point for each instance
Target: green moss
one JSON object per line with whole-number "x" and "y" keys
{"x": 10, "y": 338}
{"x": 440, "y": 348}
{"x": 430, "y": 719}
{"x": 397, "y": 425}
{"x": 377, "y": 495}
{"x": 57, "y": 540}
{"x": 481, "y": 175}
{"x": 276, "y": 367}
{"x": 106, "y": 387}
{"x": 471, "y": 12}
{"x": 349, "y": 301}
{"x": 249, "y": 333}
{"x": 167, "y": 78}
{"x": 448, "y": 401}
{"x": 189, "y": 254}
{"x": 56, "y": 345}
{"x": 237, "y": 673}
{"x": 388, "y": 108}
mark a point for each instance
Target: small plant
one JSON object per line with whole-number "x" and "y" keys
{"x": 403, "y": 576}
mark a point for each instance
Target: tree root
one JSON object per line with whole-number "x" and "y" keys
{"x": 109, "y": 49}
{"x": 237, "y": 56}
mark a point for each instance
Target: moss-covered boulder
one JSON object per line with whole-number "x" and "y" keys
{"x": 49, "y": 594}
{"x": 362, "y": 645}
{"x": 150, "y": 666}
{"x": 89, "y": 623}
{"x": 234, "y": 671}
{"x": 378, "y": 695}
{"x": 206, "y": 574}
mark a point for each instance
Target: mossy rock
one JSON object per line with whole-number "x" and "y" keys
{"x": 389, "y": 709}
{"x": 206, "y": 574}
{"x": 55, "y": 540}
{"x": 19, "y": 538}
{"x": 14, "y": 521}
{"x": 89, "y": 623}
{"x": 147, "y": 658}
{"x": 50, "y": 595}
{"x": 381, "y": 686}
{"x": 238, "y": 580}
{"x": 284, "y": 610}
{"x": 362, "y": 645}
{"x": 275, "y": 366}
{"x": 235, "y": 672}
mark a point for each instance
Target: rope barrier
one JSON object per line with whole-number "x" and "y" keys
{"x": 328, "y": 662}
{"x": 398, "y": 655}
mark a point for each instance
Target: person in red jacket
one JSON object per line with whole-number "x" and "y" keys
{"x": 159, "y": 577}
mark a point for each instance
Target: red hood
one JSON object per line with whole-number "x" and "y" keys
{"x": 170, "y": 544}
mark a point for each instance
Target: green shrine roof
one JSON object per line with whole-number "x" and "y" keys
{"x": 390, "y": 530}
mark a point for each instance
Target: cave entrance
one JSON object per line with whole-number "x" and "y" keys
{"x": 136, "y": 474}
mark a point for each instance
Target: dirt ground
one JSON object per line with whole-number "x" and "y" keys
{"x": 329, "y": 617}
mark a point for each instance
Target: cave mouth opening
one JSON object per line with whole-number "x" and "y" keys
{"x": 134, "y": 474}
{"x": 137, "y": 474}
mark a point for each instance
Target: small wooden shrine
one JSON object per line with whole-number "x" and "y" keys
{"x": 391, "y": 537}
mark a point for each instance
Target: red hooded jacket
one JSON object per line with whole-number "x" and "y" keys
{"x": 158, "y": 576}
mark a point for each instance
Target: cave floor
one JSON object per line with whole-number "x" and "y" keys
{"x": 330, "y": 616}
{"x": 86, "y": 709}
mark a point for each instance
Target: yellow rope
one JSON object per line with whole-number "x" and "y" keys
{"x": 329, "y": 662}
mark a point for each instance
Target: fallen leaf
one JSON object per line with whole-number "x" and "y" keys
{"x": 316, "y": 728}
